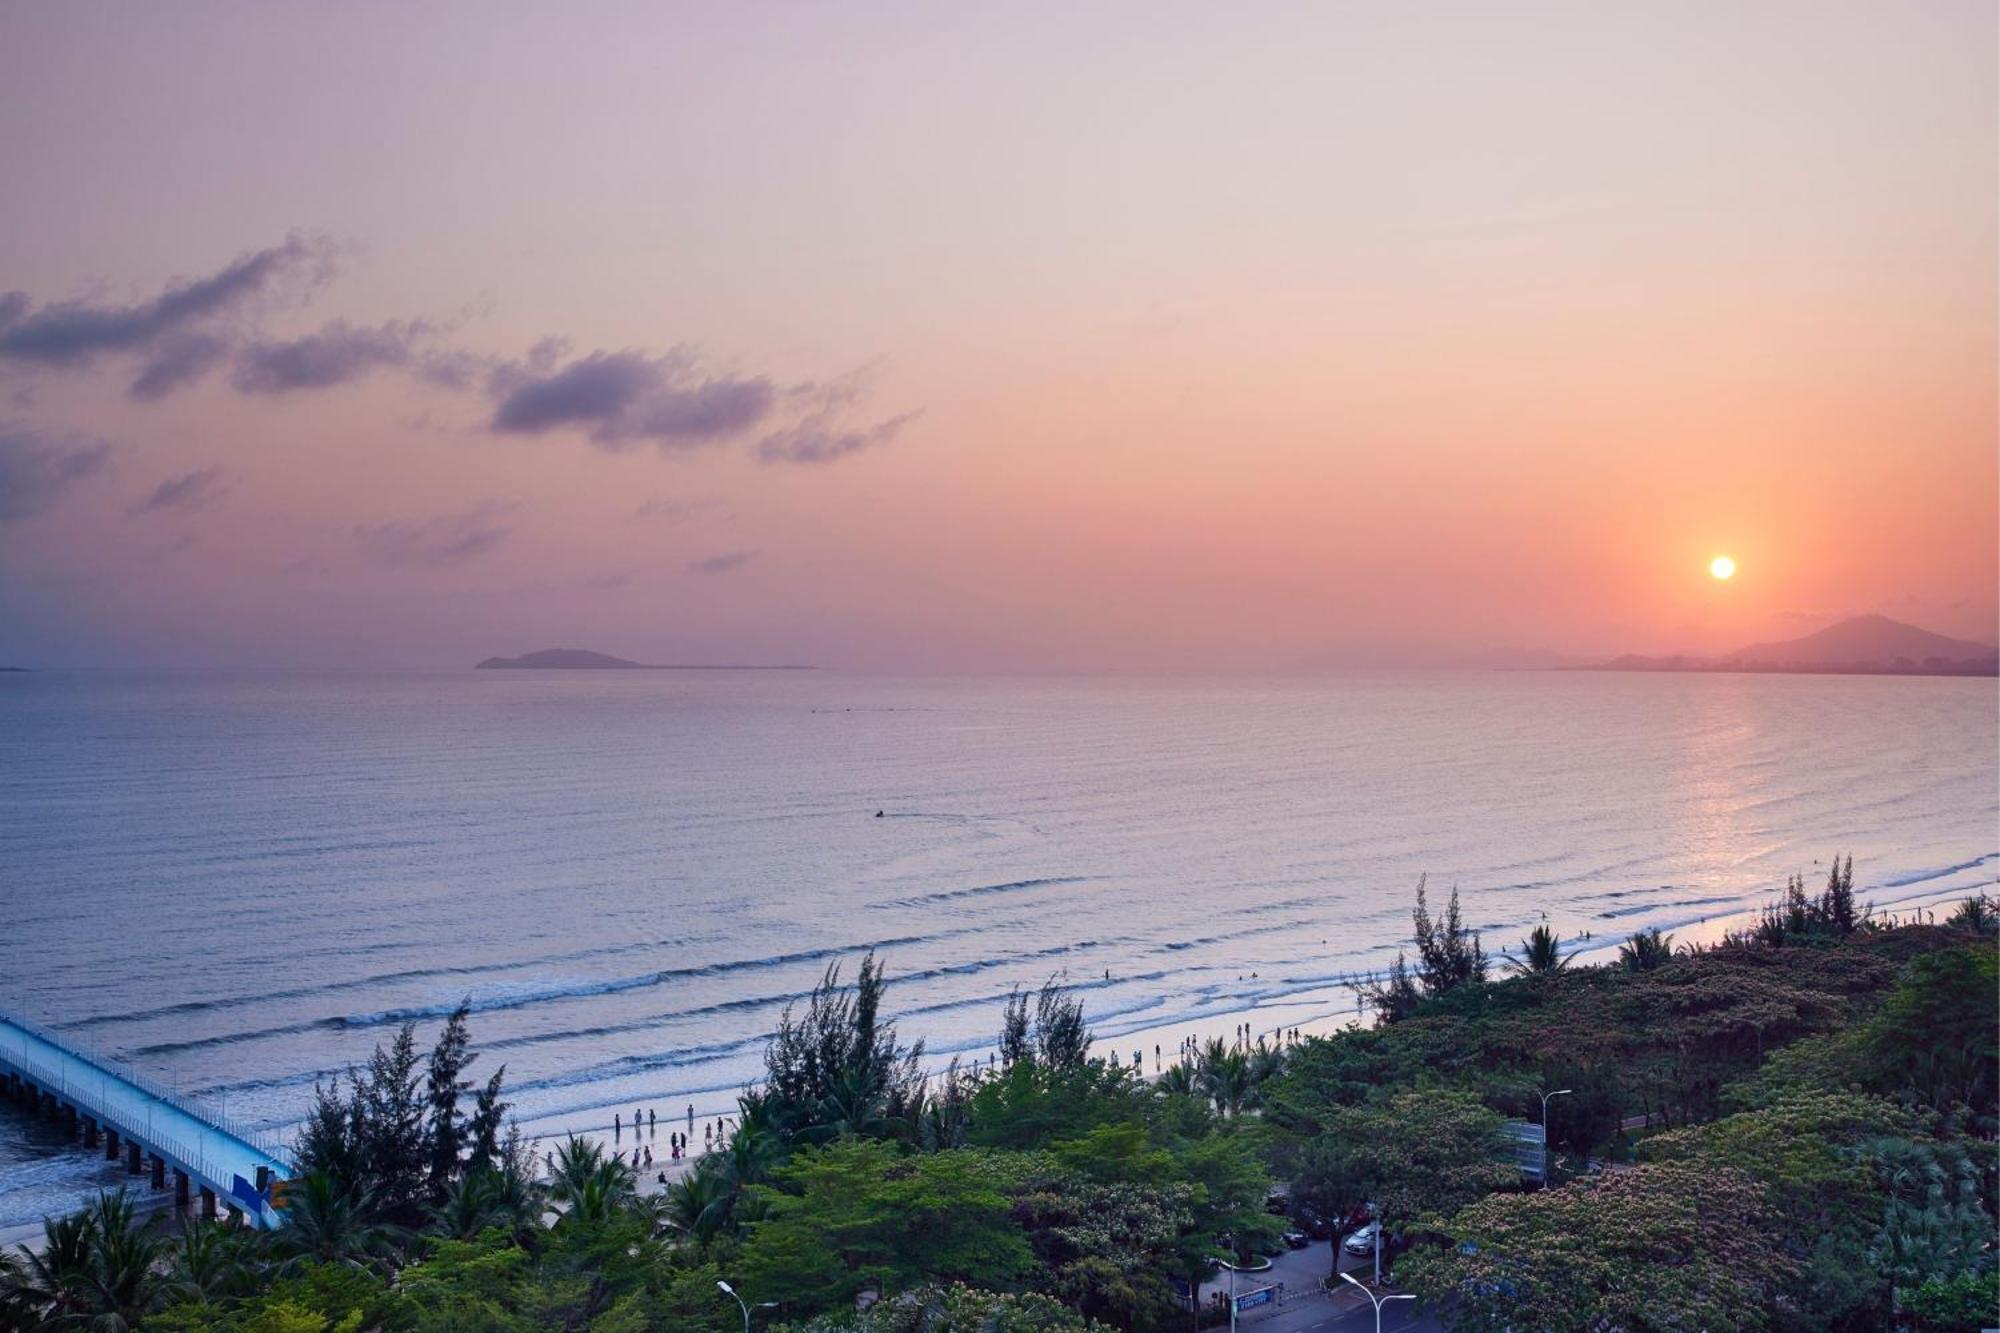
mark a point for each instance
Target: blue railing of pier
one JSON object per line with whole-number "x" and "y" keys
{"x": 198, "y": 1139}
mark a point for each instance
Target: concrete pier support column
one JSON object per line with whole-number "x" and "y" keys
{"x": 208, "y": 1203}
{"x": 89, "y": 1132}
{"x": 110, "y": 1144}
{"x": 159, "y": 1172}
{"x": 132, "y": 1164}
{"x": 70, "y": 1121}
{"x": 181, "y": 1191}
{"x": 263, "y": 1179}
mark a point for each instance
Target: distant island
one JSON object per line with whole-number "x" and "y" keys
{"x": 582, "y": 659}
{"x": 1863, "y": 645}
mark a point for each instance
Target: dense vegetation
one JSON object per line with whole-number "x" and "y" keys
{"x": 1794, "y": 1129}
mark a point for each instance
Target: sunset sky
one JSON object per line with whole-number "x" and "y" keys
{"x": 963, "y": 337}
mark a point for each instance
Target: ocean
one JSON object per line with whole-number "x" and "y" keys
{"x": 243, "y": 882}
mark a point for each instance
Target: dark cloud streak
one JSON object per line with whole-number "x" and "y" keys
{"x": 725, "y": 563}
{"x": 35, "y": 472}
{"x": 336, "y": 354}
{"x": 435, "y": 543}
{"x": 73, "y": 333}
{"x": 342, "y": 352}
{"x": 183, "y": 493}
{"x": 622, "y": 397}
{"x": 817, "y": 439}
{"x": 180, "y": 360}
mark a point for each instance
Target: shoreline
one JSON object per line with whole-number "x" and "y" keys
{"x": 1317, "y": 1008}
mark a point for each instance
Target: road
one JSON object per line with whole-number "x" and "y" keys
{"x": 1342, "y": 1311}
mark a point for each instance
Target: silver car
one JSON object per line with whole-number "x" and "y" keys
{"x": 1362, "y": 1241}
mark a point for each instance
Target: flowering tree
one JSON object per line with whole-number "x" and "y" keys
{"x": 1670, "y": 1246}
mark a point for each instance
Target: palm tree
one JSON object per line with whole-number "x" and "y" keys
{"x": 329, "y": 1225}
{"x": 698, "y": 1205}
{"x": 1266, "y": 1063}
{"x": 489, "y": 1197}
{"x": 469, "y": 1207}
{"x": 751, "y": 1157}
{"x": 583, "y": 1171}
{"x": 51, "y": 1286}
{"x": 124, "y": 1252}
{"x": 95, "y": 1270}
{"x": 1974, "y": 914}
{"x": 852, "y": 1108}
{"x": 518, "y": 1201}
{"x": 1225, "y": 1079}
{"x": 597, "y": 1199}
{"x": 1646, "y": 950}
{"x": 1177, "y": 1081}
{"x": 1541, "y": 954}
{"x": 206, "y": 1265}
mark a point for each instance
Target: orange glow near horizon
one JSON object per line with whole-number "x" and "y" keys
{"x": 1722, "y": 567}
{"x": 1184, "y": 337}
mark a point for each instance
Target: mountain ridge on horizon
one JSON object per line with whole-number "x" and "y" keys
{"x": 584, "y": 659}
{"x": 1870, "y": 644}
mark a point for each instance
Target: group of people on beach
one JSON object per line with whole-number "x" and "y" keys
{"x": 1243, "y": 1039}
{"x": 646, "y": 1124}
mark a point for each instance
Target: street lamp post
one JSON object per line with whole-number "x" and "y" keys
{"x": 731, "y": 1293}
{"x": 1232, "y": 1291}
{"x": 1560, "y": 1092}
{"x": 1378, "y": 1304}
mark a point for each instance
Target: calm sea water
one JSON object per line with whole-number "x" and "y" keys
{"x": 244, "y": 882}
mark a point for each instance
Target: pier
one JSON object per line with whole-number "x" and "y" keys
{"x": 207, "y": 1159}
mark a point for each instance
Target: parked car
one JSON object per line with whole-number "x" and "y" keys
{"x": 1296, "y": 1240}
{"x": 1362, "y": 1241}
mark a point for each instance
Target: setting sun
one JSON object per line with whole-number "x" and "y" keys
{"x": 1722, "y": 567}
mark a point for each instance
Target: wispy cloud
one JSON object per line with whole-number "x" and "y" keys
{"x": 725, "y": 563}
{"x": 192, "y": 491}
{"x": 625, "y": 397}
{"x": 818, "y": 439}
{"x": 179, "y": 360}
{"x": 674, "y": 511}
{"x": 434, "y": 543}
{"x": 69, "y": 334}
{"x": 36, "y": 471}
{"x": 673, "y": 400}
{"x": 342, "y": 352}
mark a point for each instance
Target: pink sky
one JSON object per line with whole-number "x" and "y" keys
{"x": 1112, "y": 337}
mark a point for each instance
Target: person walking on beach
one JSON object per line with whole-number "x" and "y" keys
{"x": 690, "y": 1119}
{"x": 652, "y": 1122}
{"x": 616, "y": 1132}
